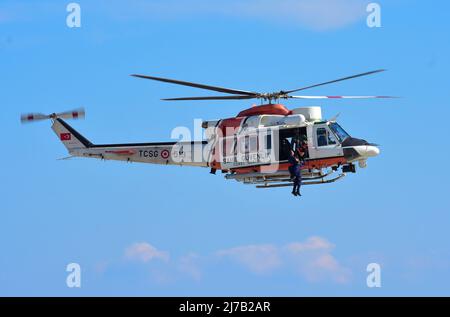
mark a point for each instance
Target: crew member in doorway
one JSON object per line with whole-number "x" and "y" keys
{"x": 304, "y": 145}
{"x": 285, "y": 149}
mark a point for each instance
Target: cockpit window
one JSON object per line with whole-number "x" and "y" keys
{"x": 340, "y": 133}
{"x": 324, "y": 137}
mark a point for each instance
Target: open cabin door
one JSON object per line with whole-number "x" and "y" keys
{"x": 288, "y": 140}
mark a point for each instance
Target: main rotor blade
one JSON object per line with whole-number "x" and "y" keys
{"x": 201, "y": 86}
{"x": 340, "y": 97}
{"x": 337, "y": 80}
{"x": 210, "y": 98}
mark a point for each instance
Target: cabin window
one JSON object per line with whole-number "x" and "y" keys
{"x": 242, "y": 144}
{"x": 224, "y": 147}
{"x": 253, "y": 144}
{"x": 227, "y": 146}
{"x": 331, "y": 138}
{"x": 325, "y": 137}
{"x": 268, "y": 141}
{"x": 246, "y": 144}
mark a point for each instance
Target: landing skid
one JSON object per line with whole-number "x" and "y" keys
{"x": 322, "y": 181}
{"x": 265, "y": 180}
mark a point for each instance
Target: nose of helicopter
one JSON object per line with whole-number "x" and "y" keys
{"x": 356, "y": 149}
{"x": 367, "y": 150}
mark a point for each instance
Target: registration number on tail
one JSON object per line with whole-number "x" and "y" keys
{"x": 154, "y": 153}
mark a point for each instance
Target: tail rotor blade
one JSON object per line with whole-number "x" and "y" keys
{"x": 73, "y": 114}
{"x": 30, "y": 117}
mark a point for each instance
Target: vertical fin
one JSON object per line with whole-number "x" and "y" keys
{"x": 69, "y": 136}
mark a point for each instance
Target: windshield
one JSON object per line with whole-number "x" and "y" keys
{"x": 340, "y": 133}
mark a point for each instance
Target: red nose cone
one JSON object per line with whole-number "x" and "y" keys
{"x": 276, "y": 109}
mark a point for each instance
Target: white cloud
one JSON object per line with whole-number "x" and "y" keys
{"x": 311, "y": 259}
{"x": 314, "y": 14}
{"x": 188, "y": 264}
{"x": 261, "y": 258}
{"x": 145, "y": 252}
{"x": 312, "y": 243}
{"x": 318, "y": 15}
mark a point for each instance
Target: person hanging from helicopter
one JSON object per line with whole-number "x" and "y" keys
{"x": 293, "y": 162}
{"x": 297, "y": 152}
{"x": 296, "y": 159}
{"x": 300, "y": 153}
{"x": 294, "y": 170}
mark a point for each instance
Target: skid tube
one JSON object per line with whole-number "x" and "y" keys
{"x": 332, "y": 180}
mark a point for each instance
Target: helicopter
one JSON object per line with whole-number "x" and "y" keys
{"x": 252, "y": 147}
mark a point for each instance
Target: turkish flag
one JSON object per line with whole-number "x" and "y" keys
{"x": 65, "y": 136}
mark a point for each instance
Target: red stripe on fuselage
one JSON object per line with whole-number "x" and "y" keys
{"x": 309, "y": 164}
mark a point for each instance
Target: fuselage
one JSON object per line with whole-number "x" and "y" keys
{"x": 261, "y": 138}
{"x": 252, "y": 147}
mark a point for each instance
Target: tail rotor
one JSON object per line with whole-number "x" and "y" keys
{"x": 72, "y": 114}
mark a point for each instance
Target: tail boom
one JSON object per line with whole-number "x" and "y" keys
{"x": 166, "y": 153}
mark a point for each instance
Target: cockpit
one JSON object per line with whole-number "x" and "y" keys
{"x": 339, "y": 132}
{"x": 324, "y": 135}
{"x": 330, "y": 134}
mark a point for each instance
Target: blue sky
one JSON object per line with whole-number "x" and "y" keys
{"x": 140, "y": 229}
